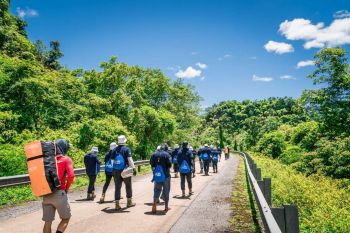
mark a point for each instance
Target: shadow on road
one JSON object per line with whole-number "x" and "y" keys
{"x": 105, "y": 202}
{"x": 158, "y": 213}
{"x": 181, "y": 197}
{"x": 151, "y": 203}
{"x": 114, "y": 211}
{"x": 84, "y": 199}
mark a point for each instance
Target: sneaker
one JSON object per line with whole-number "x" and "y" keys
{"x": 167, "y": 209}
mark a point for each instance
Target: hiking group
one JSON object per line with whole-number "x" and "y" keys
{"x": 120, "y": 166}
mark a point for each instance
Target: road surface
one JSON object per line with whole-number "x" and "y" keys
{"x": 209, "y": 208}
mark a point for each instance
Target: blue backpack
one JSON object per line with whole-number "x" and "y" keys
{"x": 98, "y": 168}
{"x": 175, "y": 159}
{"x": 119, "y": 162}
{"x": 158, "y": 174}
{"x": 215, "y": 158}
{"x": 205, "y": 156}
{"x": 109, "y": 166}
{"x": 184, "y": 167}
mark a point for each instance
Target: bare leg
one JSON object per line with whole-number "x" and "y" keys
{"x": 63, "y": 225}
{"x": 47, "y": 227}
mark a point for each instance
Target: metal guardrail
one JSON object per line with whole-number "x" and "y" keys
{"x": 9, "y": 181}
{"x": 275, "y": 220}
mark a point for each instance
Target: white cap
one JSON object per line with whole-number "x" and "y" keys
{"x": 158, "y": 147}
{"x": 205, "y": 145}
{"x": 94, "y": 149}
{"x": 122, "y": 140}
{"x": 112, "y": 145}
{"x": 176, "y": 146}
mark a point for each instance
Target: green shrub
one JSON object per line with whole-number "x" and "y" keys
{"x": 306, "y": 135}
{"x": 291, "y": 154}
{"x": 272, "y": 144}
{"x": 12, "y": 160}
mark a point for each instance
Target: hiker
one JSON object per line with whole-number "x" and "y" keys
{"x": 215, "y": 159}
{"x": 206, "y": 156}
{"x": 226, "y": 152}
{"x": 108, "y": 170}
{"x": 161, "y": 164}
{"x": 122, "y": 160}
{"x": 194, "y": 152}
{"x": 220, "y": 152}
{"x": 92, "y": 165}
{"x": 200, "y": 159}
{"x": 174, "y": 159}
{"x": 185, "y": 161}
{"x": 59, "y": 200}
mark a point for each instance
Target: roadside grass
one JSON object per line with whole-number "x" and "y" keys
{"x": 244, "y": 217}
{"x": 324, "y": 205}
{"x": 21, "y": 194}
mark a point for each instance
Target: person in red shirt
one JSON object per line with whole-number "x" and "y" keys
{"x": 59, "y": 200}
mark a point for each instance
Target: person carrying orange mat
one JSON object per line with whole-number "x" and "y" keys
{"x": 58, "y": 200}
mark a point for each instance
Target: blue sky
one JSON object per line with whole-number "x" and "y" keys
{"x": 230, "y": 50}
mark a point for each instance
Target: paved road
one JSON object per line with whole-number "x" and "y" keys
{"x": 211, "y": 210}
{"x": 94, "y": 217}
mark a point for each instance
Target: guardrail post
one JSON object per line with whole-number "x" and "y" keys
{"x": 267, "y": 191}
{"x": 138, "y": 169}
{"x": 258, "y": 174}
{"x": 291, "y": 218}
{"x": 287, "y": 218}
{"x": 278, "y": 214}
{"x": 253, "y": 168}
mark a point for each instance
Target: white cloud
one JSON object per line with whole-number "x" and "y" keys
{"x": 305, "y": 63}
{"x": 287, "y": 77}
{"x": 189, "y": 73}
{"x": 201, "y": 65}
{"x": 226, "y": 56}
{"x": 317, "y": 35}
{"x": 261, "y": 79}
{"x": 278, "y": 47}
{"x": 341, "y": 14}
{"x": 22, "y": 13}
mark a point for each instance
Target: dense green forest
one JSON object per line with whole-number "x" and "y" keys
{"x": 39, "y": 99}
{"x": 310, "y": 133}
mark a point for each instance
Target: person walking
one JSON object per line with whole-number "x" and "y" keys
{"x": 200, "y": 159}
{"x": 185, "y": 160}
{"x": 108, "y": 170}
{"x": 161, "y": 164}
{"x": 226, "y": 152}
{"x": 206, "y": 156}
{"x": 92, "y": 165}
{"x": 194, "y": 152}
{"x": 215, "y": 159}
{"x": 122, "y": 159}
{"x": 174, "y": 160}
{"x": 59, "y": 200}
